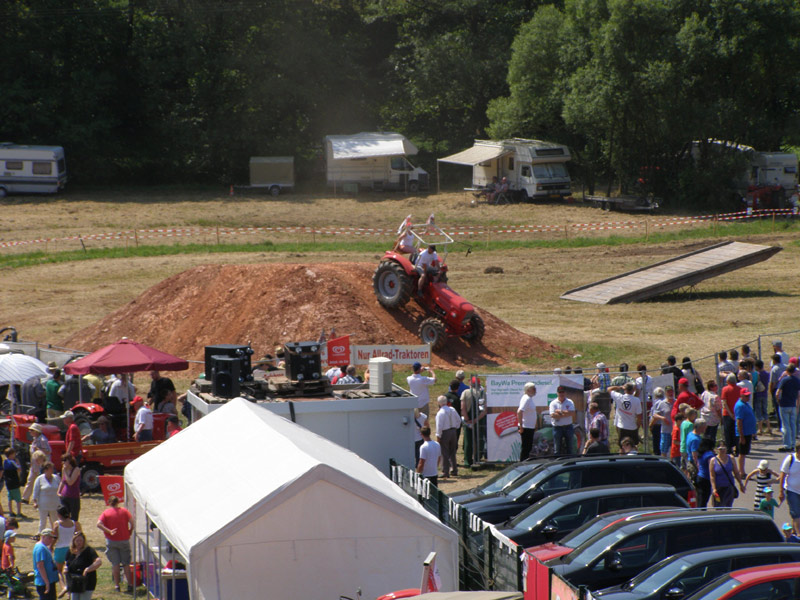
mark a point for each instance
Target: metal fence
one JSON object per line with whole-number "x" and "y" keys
{"x": 487, "y": 560}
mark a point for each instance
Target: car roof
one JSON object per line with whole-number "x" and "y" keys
{"x": 606, "y": 458}
{"x": 766, "y": 572}
{"x": 649, "y": 520}
{"x": 608, "y": 490}
{"x": 715, "y": 552}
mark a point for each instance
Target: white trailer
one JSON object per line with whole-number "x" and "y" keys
{"x": 534, "y": 169}
{"x": 31, "y": 169}
{"x": 275, "y": 173}
{"x": 375, "y": 161}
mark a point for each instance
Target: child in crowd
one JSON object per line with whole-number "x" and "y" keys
{"x": 8, "y": 561}
{"x": 675, "y": 448}
{"x": 11, "y": 473}
{"x": 789, "y": 534}
{"x": 764, "y": 476}
{"x": 768, "y": 504}
{"x": 690, "y": 415}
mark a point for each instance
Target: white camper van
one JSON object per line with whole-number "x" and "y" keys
{"x": 375, "y": 161}
{"x": 31, "y": 169}
{"x": 535, "y": 169}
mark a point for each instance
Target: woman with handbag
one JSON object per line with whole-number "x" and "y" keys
{"x": 80, "y": 568}
{"x": 722, "y": 469}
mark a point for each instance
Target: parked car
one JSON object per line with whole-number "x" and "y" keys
{"x": 574, "y": 473}
{"x": 781, "y": 582}
{"x": 555, "y": 516}
{"x": 624, "y": 549}
{"x": 683, "y": 574}
{"x": 502, "y": 480}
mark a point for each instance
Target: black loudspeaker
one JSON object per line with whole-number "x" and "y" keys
{"x": 243, "y": 353}
{"x": 303, "y": 362}
{"x": 226, "y": 379}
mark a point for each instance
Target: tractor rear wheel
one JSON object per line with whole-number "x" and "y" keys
{"x": 475, "y": 334}
{"x": 432, "y": 331}
{"x": 392, "y": 284}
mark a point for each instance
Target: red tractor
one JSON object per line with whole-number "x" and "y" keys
{"x": 395, "y": 282}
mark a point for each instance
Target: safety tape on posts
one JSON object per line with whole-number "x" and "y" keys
{"x": 466, "y": 230}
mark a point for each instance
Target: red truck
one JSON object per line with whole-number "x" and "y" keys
{"x": 97, "y": 459}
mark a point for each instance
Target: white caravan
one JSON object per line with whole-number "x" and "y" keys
{"x": 31, "y": 169}
{"x": 375, "y": 161}
{"x": 535, "y": 169}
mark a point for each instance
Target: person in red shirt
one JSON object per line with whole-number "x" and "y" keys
{"x": 72, "y": 439}
{"x": 686, "y": 397}
{"x": 8, "y": 560}
{"x": 173, "y": 426}
{"x": 729, "y": 395}
{"x": 116, "y": 523}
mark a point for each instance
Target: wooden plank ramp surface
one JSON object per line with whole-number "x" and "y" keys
{"x": 680, "y": 271}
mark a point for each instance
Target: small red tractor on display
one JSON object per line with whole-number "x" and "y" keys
{"x": 396, "y": 280}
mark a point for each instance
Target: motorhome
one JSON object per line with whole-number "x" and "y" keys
{"x": 373, "y": 161}
{"x": 31, "y": 169}
{"x": 534, "y": 169}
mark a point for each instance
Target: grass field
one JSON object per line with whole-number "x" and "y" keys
{"x": 49, "y": 291}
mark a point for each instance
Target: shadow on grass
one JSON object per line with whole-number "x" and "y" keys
{"x": 689, "y": 295}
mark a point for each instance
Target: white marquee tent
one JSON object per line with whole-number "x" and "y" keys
{"x": 263, "y": 508}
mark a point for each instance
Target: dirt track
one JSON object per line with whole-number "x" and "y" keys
{"x": 267, "y": 304}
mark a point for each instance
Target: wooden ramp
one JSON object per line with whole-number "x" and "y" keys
{"x": 678, "y": 272}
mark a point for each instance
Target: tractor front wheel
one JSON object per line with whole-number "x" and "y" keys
{"x": 432, "y": 331}
{"x": 477, "y": 329}
{"x": 392, "y": 285}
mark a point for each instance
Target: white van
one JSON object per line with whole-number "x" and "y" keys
{"x": 534, "y": 169}
{"x": 374, "y": 161}
{"x": 31, "y": 169}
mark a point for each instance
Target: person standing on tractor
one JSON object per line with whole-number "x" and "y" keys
{"x": 405, "y": 241}
{"x": 427, "y": 266}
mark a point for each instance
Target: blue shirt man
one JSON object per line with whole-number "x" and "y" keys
{"x": 745, "y": 417}
{"x": 44, "y": 567}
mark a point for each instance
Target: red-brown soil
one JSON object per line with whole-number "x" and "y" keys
{"x": 268, "y": 304}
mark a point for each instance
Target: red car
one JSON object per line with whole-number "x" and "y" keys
{"x": 770, "y": 582}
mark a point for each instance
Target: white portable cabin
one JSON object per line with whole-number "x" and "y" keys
{"x": 534, "y": 169}
{"x": 375, "y": 161}
{"x": 275, "y": 173}
{"x": 31, "y": 169}
{"x": 773, "y": 169}
{"x": 259, "y": 507}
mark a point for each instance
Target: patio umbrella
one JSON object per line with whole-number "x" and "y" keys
{"x": 125, "y": 356}
{"x": 18, "y": 368}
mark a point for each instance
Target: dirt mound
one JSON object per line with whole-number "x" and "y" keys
{"x": 272, "y": 303}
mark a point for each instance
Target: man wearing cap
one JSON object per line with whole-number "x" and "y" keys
{"x": 72, "y": 438}
{"x": 44, "y": 567}
{"x": 602, "y": 380}
{"x": 777, "y": 347}
{"x": 562, "y": 414}
{"x": 788, "y": 395}
{"x": 474, "y": 416}
{"x": 418, "y": 384}
{"x": 55, "y": 405}
{"x": 746, "y": 425}
{"x": 41, "y": 444}
{"x": 143, "y": 423}
{"x": 527, "y": 420}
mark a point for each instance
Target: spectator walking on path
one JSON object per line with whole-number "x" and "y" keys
{"x": 788, "y": 396}
{"x": 45, "y": 495}
{"x": 448, "y": 422}
{"x": 745, "y": 426}
{"x": 44, "y": 567}
{"x": 81, "y": 564}
{"x": 430, "y": 456}
{"x": 117, "y": 523}
{"x": 764, "y": 477}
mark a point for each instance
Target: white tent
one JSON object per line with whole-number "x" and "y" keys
{"x": 263, "y": 508}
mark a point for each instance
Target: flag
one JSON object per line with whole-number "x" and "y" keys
{"x": 339, "y": 351}
{"x": 431, "y": 582}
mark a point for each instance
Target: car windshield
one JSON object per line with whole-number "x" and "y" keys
{"x": 550, "y": 170}
{"x": 530, "y": 517}
{"x": 583, "y": 533}
{"x": 502, "y": 480}
{"x": 654, "y": 578}
{"x": 594, "y": 547}
{"x": 524, "y": 484}
{"x": 715, "y": 590}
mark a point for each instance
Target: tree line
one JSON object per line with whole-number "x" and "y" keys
{"x": 168, "y": 91}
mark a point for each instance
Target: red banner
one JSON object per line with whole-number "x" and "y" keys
{"x": 339, "y": 351}
{"x": 112, "y": 485}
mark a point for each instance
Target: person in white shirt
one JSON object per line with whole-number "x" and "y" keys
{"x": 418, "y": 385}
{"x": 143, "y": 424}
{"x": 526, "y": 419}
{"x": 430, "y": 455}
{"x": 562, "y": 413}
{"x": 627, "y": 412}
{"x": 122, "y": 389}
{"x": 427, "y": 265}
{"x": 448, "y": 423}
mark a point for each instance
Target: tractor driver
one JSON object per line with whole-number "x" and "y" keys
{"x": 427, "y": 265}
